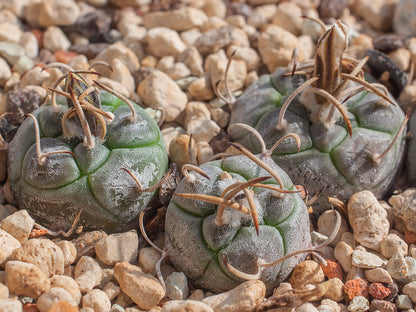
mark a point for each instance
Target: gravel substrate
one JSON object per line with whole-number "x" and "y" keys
{"x": 168, "y": 55}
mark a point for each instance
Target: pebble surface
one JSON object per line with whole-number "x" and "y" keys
{"x": 169, "y": 55}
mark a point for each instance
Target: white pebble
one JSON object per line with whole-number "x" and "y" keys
{"x": 118, "y": 247}
{"x": 98, "y": 300}
{"x": 177, "y": 286}
{"x": 88, "y": 273}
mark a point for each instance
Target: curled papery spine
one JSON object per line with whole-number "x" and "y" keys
{"x": 375, "y": 157}
{"x": 188, "y": 167}
{"x": 259, "y": 162}
{"x": 150, "y": 188}
{"x": 40, "y": 155}
{"x": 229, "y": 99}
{"x": 133, "y": 115}
{"x": 150, "y": 242}
{"x": 252, "y": 131}
{"x": 63, "y": 233}
{"x": 262, "y": 264}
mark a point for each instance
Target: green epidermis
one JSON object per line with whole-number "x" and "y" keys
{"x": 199, "y": 237}
{"x": 137, "y": 146}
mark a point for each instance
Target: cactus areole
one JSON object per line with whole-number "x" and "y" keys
{"x": 351, "y": 131}
{"x": 68, "y": 172}
{"x": 200, "y": 239}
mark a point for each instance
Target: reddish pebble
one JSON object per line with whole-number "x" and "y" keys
{"x": 64, "y": 56}
{"x": 378, "y": 291}
{"x": 39, "y": 37}
{"x": 356, "y": 287}
{"x": 410, "y": 237}
{"x": 332, "y": 269}
{"x": 30, "y": 307}
{"x": 37, "y": 233}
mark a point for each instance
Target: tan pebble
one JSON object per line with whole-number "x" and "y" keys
{"x": 197, "y": 294}
{"x": 180, "y": 20}
{"x": 4, "y": 291}
{"x": 149, "y": 61}
{"x": 43, "y": 253}
{"x": 29, "y": 42}
{"x": 355, "y": 273}
{"x": 67, "y": 283}
{"x": 196, "y": 110}
{"x": 25, "y": 279}
{"x": 52, "y": 296}
{"x": 203, "y": 130}
{"x": 368, "y": 219}
{"x": 378, "y": 275}
{"x": 343, "y": 253}
{"x": 212, "y": 23}
{"x": 332, "y": 304}
{"x": 19, "y": 225}
{"x": 144, "y": 289}
{"x": 336, "y": 291}
{"x": 242, "y": 298}
{"x": 55, "y": 40}
{"x": 120, "y": 51}
{"x": 410, "y": 290}
{"x": 122, "y": 75}
{"x": 193, "y": 60}
{"x": 118, "y": 247}
{"x": 401, "y": 57}
{"x": 288, "y": 15}
{"x": 306, "y": 272}
{"x": 163, "y": 41}
{"x": 123, "y": 300}
{"x": 391, "y": 244}
{"x": 214, "y": 8}
{"x": 215, "y": 39}
{"x": 35, "y": 76}
{"x": 366, "y": 260}
{"x": 276, "y": 46}
{"x": 88, "y": 274}
{"x": 7, "y": 244}
{"x": 201, "y": 89}
{"x": 307, "y": 307}
{"x": 190, "y": 37}
{"x": 178, "y": 150}
{"x": 215, "y": 65}
{"x": 63, "y": 306}
{"x": 236, "y": 20}
{"x": 204, "y": 152}
{"x": 69, "y": 251}
{"x": 186, "y": 305}
{"x": 378, "y": 13}
{"x": 10, "y": 305}
{"x": 159, "y": 91}
{"x": 148, "y": 257}
{"x": 111, "y": 290}
{"x": 98, "y": 300}
{"x": 397, "y": 266}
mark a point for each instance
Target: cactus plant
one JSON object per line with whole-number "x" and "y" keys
{"x": 351, "y": 131}
{"x": 66, "y": 159}
{"x": 235, "y": 213}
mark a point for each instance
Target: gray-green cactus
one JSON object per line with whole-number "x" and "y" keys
{"x": 411, "y": 151}
{"x": 198, "y": 238}
{"x": 346, "y": 125}
{"x": 87, "y": 174}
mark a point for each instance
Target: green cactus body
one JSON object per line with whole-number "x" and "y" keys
{"x": 329, "y": 157}
{"x": 411, "y": 151}
{"x": 196, "y": 244}
{"x": 93, "y": 180}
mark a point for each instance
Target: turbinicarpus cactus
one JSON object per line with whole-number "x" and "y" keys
{"x": 68, "y": 157}
{"x": 351, "y": 131}
{"x": 230, "y": 219}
